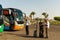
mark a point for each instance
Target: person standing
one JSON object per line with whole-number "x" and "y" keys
{"x": 27, "y": 26}
{"x": 35, "y": 28}
{"x": 41, "y": 30}
{"x": 47, "y": 27}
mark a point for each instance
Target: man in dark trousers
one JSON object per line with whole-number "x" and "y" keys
{"x": 27, "y": 26}
{"x": 41, "y": 30}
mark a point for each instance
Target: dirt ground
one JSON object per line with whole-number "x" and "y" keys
{"x": 54, "y": 34}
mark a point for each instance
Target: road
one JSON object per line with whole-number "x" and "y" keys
{"x": 54, "y": 34}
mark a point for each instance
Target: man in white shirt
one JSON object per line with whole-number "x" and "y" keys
{"x": 27, "y": 26}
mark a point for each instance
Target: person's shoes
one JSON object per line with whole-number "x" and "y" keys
{"x": 27, "y": 34}
{"x": 35, "y": 36}
{"x": 41, "y": 36}
{"x": 46, "y": 37}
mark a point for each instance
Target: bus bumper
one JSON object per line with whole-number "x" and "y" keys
{"x": 19, "y": 27}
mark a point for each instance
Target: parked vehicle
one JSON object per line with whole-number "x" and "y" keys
{"x": 13, "y": 19}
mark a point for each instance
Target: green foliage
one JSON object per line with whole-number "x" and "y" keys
{"x": 45, "y": 14}
{"x": 32, "y": 22}
{"x": 57, "y": 18}
{"x": 38, "y": 19}
{"x": 55, "y": 22}
{"x": 32, "y": 13}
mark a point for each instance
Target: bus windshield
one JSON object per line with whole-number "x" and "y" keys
{"x": 18, "y": 15}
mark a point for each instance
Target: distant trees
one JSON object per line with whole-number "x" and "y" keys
{"x": 32, "y": 14}
{"x": 45, "y": 14}
{"x": 32, "y": 17}
{"x": 57, "y": 18}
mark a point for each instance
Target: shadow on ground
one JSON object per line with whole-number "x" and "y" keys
{"x": 10, "y": 30}
{"x": 23, "y": 35}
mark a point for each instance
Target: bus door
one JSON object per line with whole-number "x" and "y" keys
{"x": 1, "y": 21}
{"x": 8, "y": 19}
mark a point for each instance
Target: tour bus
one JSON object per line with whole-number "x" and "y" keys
{"x": 15, "y": 20}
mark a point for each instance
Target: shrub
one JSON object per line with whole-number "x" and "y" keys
{"x": 57, "y": 18}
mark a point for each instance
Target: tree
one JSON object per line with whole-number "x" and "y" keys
{"x": 45, "y": 14}
{"x": 32, "y": 14}
{"x": 38, "y": 19}
{"x": 32, "y": 17}
{"x": 57, "y": 18}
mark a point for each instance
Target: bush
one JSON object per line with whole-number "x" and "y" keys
{"x": 54, "y": 22}
{"x": 57, "y": 18}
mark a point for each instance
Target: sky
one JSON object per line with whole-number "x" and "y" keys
{"x": 51, "y": 7}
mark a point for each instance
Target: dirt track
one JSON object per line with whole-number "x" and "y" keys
{"x": 54, "y": 34}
